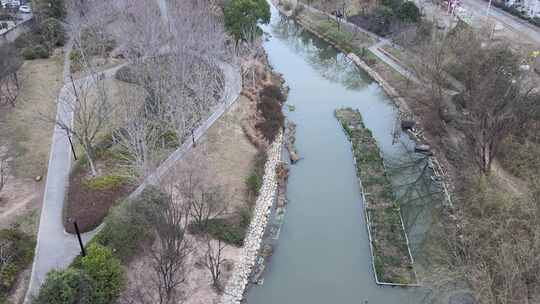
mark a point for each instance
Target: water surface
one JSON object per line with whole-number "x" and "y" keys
{"x": 323, "y": 254}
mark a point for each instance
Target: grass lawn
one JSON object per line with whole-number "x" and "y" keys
{"x": 26, "y": 138}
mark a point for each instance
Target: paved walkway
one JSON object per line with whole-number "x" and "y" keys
{"x": 376, "y": 50}
{"x": 55, "y": 249}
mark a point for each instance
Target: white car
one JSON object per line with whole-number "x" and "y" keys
{"x": 25, "y": 9}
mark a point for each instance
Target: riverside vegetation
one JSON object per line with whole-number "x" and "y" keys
{"x": 391, "y": 257}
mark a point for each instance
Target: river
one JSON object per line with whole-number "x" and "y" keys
{"x": 323, "y": 254}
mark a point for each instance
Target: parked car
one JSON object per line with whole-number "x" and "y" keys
{"x": 25, "y": 9}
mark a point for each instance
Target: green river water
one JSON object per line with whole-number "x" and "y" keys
{"x": 322, "y": 256}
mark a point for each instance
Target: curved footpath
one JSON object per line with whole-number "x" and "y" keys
{"x": 56, "y": 249}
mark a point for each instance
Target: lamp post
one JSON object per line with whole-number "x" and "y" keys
{"x": 83, "y": 252}
{"x": 71, "y": 145}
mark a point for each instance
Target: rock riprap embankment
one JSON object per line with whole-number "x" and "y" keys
{"x": 236, "y": 286}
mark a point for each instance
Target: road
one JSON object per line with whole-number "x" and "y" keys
{"x": 516, "y": 24}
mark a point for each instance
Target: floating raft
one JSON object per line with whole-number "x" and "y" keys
{"x": 391, "y": 256}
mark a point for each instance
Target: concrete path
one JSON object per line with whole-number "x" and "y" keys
{"x": 55, "y": 249}
{"x": 375, "y": 49}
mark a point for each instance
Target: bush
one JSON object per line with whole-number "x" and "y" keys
{"x": 75, "y": 57}
{"x": 41, "y": 51}
{"x": 254, "y": 183}
{"x": 20, "y": 248}
{"x": 50, "y": 8}
{"x": 273, "y": 118}
{"x": 27, "y": 40}
{"x": 126, "y": 74}
{"x": 394, "y": 5}
{"x": 28, "y": 53}
{"x": 245, "y": 217}
{"x": 226, "y": 230}
{"x": 35, "y": 52}
{"x": 70, "y": 286}
{"x": 106, "y": 271}
{"x": 53, "y": 32}
{"x": 409, "y": 12}
{"x": 106, "y": 182}
{"x": 97, "y": 42}
{"x": 130, "y": 223}
{"x": 273, "y": 92}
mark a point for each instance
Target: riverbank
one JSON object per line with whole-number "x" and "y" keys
{"x": 392, "y": 259}
{"x": 234, "y": 291}
{"x": 390, "y": 81}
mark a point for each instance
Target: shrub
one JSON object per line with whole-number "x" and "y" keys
{"x": 106, "y": 182}
{"x": 273, "y": 92}
{"x": 75, "y": 57}
{"x": 106, "y": 272}
{"x": 96, "y": 42}
{"x": 394, "y": 5}
{"x": 53, "y": 32}
{"x": 269, "y": 129}
{"x": 254, "y": 183}
{"x": 170, "y": 139}
{"x": 130, "y": 223}
{"x": 50, "y": 8}
{"x": 409, "y": 12}
{"x": 70, "y": 286}
{"x": 126, "y": 74}
{"x": 19, "y": 247}
{"x": 245, "y": 217}
{"x": 41, "y": 51}
{"x": 226, "y": 230}
{"x": 28, "y": 53}
{"x": 27, "y": 39}
{"x": 274, "y": 119}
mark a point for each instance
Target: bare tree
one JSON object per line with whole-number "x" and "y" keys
{"x": 10, "y": 62}
{"x": 176, "y": 59}
{"x": 213, "y": 260}
{"x": 206, "y": 202}
{"x": 489, "y": 89}
{"x": 91, "y": 107}
{"x": 138, "y": 135}
{"x": 492, "y": 247}
{"x": 172, "y": 249}
{"x": 494, "y": 96}
{"x": 251, "y": 48}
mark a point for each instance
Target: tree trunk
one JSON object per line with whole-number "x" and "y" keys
{"x": 88, "y": 152}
